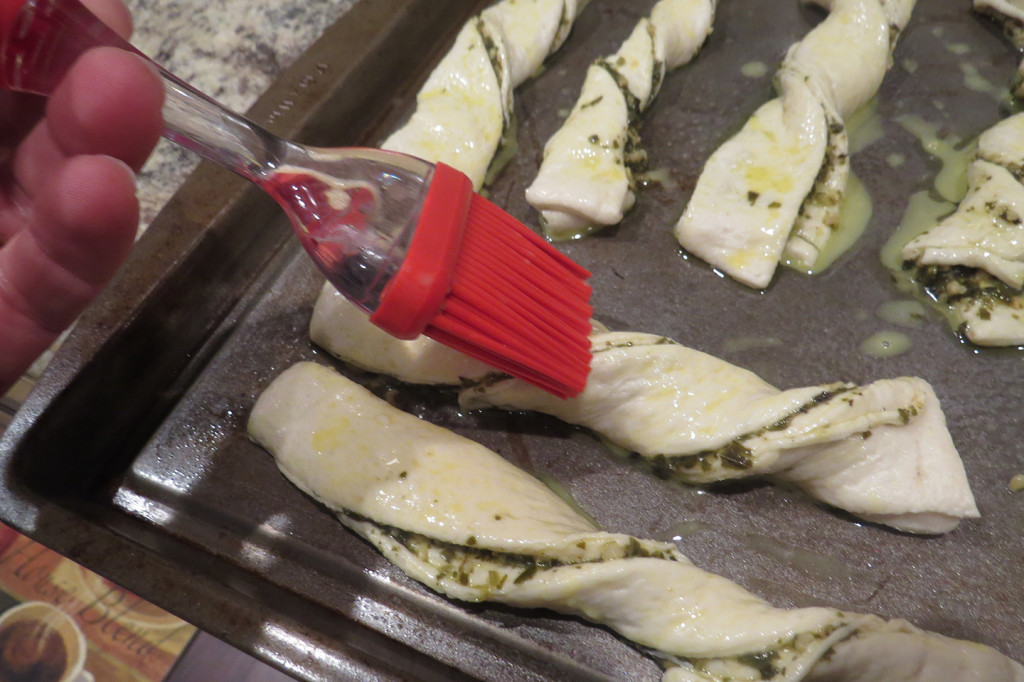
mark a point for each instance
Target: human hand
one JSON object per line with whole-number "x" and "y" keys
{"x": 68, "y": 210}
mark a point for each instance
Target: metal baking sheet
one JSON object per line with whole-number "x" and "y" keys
{"x": 131, "y": 457}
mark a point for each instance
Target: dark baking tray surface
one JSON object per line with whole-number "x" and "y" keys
{"x": 131, "y": 456}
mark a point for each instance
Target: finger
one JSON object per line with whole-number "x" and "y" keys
{"x": 83, "y": 228}
{"x": 37, "y": 159}
{"x": 109, "y": 103}
{"x": 19, "y": 111}
{"x": 15, "y": 213}
{"x": 113, "y": 13}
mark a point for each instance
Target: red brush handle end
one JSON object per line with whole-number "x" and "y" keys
{"x": 8, "y": 13}
{"x": 41, "y": 39}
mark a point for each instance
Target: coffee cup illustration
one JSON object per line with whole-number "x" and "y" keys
{"x": 41, "y": 643}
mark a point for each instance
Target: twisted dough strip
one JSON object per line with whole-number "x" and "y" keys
{"x": 777, "y": 185}
{"x": 585, "y": 180}
{"x": 973, "y": 260}
{"x": 880, "y": 451}
{"x": 465, "y": 106}
{"x": 463, "y": 521}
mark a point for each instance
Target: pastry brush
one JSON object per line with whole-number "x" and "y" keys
{"x": 406, "y": 240}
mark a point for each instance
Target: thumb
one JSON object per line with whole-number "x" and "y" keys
{"x": 82, "y": 227}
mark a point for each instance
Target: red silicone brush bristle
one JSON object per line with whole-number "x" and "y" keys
{"x": 517, "y": 303}
{"x": 476, "y": 279}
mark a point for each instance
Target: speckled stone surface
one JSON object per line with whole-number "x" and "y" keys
{"x": 230, "y": 49}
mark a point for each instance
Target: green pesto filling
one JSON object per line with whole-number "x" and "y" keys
{"x": 508, "y": 147}
{"x": 481, "y": 384}
{"x": 953, "y": 284}
{"x": 634, "y": 156}
{"x": 765, "y": 663}
{"x": 612, "y": 345}
{"x": 494, "y": 54}
{"x": 906, "y": 414}
{"x": 564, "y": 23}
{"x": 461, "y": 560}
{"x": 819, "y": 195}
{"x": 632, "y": 102}
{"x": 735, "y": 455}
{"x": 771, "y": 663}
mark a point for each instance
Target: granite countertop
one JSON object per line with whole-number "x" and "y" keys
{"x": 231, "y": 50}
